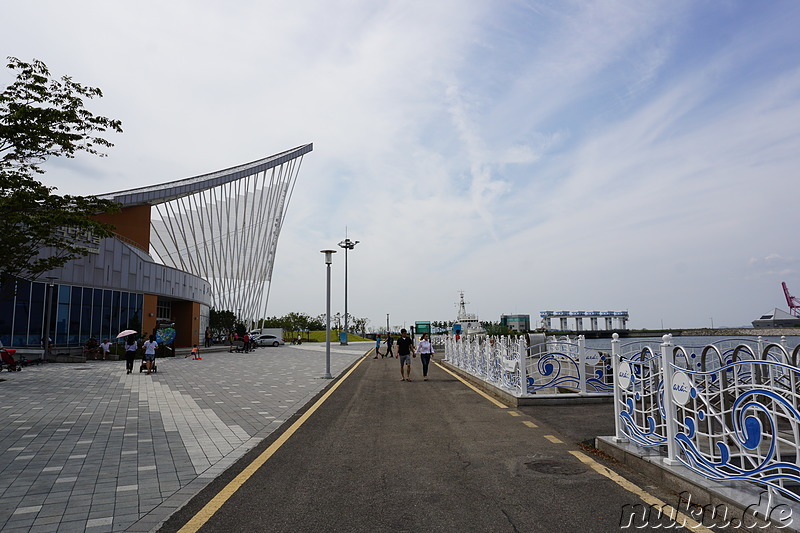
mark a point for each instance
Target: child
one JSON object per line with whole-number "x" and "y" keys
{"x": 195, "y": 353}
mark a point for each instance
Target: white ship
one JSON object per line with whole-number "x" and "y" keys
{"x": 468, "y": 321}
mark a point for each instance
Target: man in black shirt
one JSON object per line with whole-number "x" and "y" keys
{"x": 405, "y": 347}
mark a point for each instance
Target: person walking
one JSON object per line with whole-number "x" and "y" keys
{"x": 405, "y": 348}
{"x": 150, "y": 352}
{"x": 425, "y": 353}
{"x": 389, "y": 343}
{"x": 130, "y": 353}
{"x": 378, "y": 347}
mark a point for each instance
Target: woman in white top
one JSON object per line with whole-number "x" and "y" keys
{"x": 150, "y": 352}
{"x": 130, "y": 353}
{"x": 425, "y": 350}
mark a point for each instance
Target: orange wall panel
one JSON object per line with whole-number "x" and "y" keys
{"x": 133, "y": 223}
{"x": 149, "y": 303}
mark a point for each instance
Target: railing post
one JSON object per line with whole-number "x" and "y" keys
{"x": 582, "y": 363}
{"x": 522, "y": 350}
{"x": 760, "y": 344}
{"x": 619, "y": 436}
{"x": 669, "y": 404}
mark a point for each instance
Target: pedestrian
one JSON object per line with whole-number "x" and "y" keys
{"x": 246, "y": 342}
{"x": 130, "y": 352}
{"x": 405, "y": 348}
{"x": 378, "y": 347}
{"x": 196, "y": 353}
{"x": 389, "y": 342}
{"x": 90, "y": 348}
{"x": 106, "y": 347}
{"x": 425, "y": 353}
{"x": 150, "y": 352}
{"x": 208, "y": 338}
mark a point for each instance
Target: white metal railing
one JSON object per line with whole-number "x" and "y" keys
{"x": 557, "y": 366}
{"x": 727, "y": 411}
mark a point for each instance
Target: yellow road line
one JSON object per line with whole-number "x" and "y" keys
{"x": 529, "y": 424}
{"x": 513, "y": 413}
{"x": 554, "y": 439}
{"x": 205, "y": 514}
{"x": 646, "y": 497}
{"x": 473, "y": 387}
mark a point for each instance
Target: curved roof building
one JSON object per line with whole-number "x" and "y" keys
{"x": 181, "y": 248}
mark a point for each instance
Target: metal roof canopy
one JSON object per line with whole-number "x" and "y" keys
{"x": 165, "y": 192}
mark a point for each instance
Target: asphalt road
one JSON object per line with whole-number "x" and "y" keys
{"x": 381, "y": 454}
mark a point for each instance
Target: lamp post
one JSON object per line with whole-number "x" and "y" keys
{"x": 347, "y": 244}
{"x": 328, "y": 261}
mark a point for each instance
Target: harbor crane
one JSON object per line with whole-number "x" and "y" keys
{"x": 794, "y": 303}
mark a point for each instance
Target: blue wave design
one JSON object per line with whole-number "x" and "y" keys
{"x": 551, "y": 365}
{"x": 599, "y": 385}
{"x": 646, "y": 438}
{"x": 748, "y": 430}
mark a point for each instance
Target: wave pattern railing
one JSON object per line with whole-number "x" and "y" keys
{"x": 729, "y": 411}
{"x": 553, "y": 367}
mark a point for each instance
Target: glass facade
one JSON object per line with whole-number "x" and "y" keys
{"x": 76, "y": 313}
{"x": 516, "y": 322}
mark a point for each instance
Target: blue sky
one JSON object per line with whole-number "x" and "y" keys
{"x": 638, "y": 156}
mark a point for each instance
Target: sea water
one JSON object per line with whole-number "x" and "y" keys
{"x": 691, "y": 342}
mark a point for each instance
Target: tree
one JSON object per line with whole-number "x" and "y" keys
{"x": 360, "y": 325}
{"x": 42, "y": 117}
{"x": 317, "y": 324}
{"x": 221, "y": 321}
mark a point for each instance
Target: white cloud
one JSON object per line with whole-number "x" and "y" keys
{"x": 610, "y": 155}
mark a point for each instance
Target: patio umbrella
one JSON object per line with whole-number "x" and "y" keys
{"x": 126, "y": 333}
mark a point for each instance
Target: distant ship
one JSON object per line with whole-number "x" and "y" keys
{"x": 466, "y": 323}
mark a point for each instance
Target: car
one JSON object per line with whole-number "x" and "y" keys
{"x": 267, "y": 340}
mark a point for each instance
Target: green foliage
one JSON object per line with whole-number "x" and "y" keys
{"x": 221, "y": 322}
{"x": 292, "y": 322}
{"x": 494, "y": 328}
{"x": 42, "y": 117}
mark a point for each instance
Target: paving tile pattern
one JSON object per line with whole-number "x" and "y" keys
{"x": 87, "y": 447}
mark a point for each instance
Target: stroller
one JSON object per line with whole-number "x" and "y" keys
{"x": 143, "y": 366}
{"x": 9, "y": 362}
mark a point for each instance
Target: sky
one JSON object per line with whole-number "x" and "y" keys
{"x": 609, "y": 155}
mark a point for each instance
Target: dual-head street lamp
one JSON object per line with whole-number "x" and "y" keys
{"x": 347, "y": 244}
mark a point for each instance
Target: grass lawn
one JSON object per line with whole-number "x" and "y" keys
{"x": 319, "y": 336}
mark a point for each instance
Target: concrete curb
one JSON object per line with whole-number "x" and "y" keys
{"x": 742, "y": 497}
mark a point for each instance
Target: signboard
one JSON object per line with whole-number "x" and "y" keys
{"x": 165, "y": 335}
{"x": 422, "y": 327}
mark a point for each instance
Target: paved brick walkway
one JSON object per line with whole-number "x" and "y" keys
{"x": 89, "y": 447}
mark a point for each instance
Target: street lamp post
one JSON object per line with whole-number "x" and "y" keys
{"x": 347, "y": 244}
{"x": 328, "y": 261}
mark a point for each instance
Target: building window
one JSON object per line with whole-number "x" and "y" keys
{"x": 164, "y": 310}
